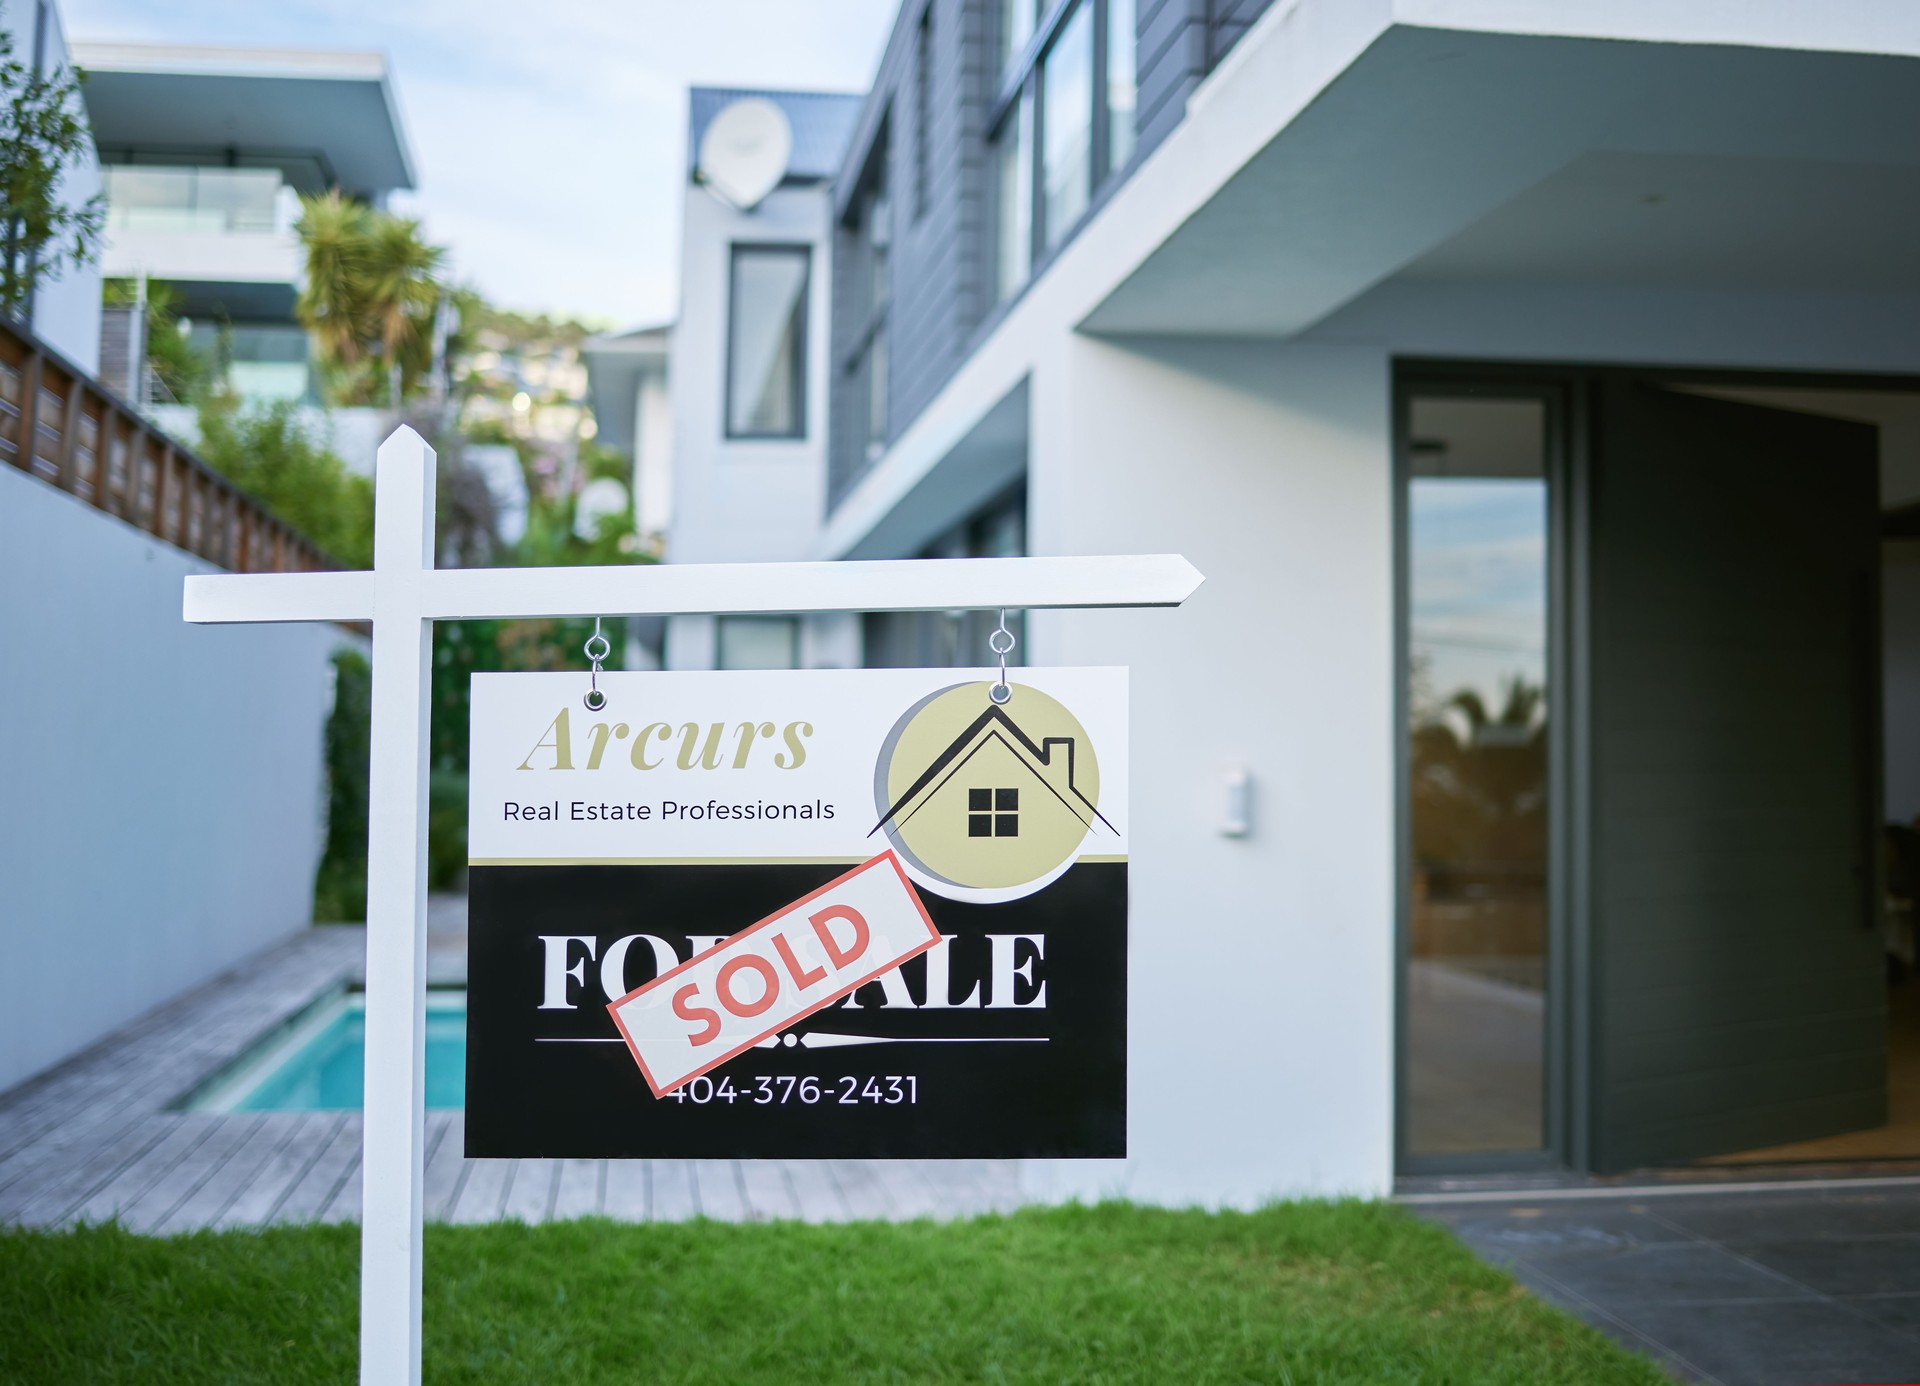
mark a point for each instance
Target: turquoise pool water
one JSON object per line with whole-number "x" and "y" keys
{"x": 319, "y": 1063}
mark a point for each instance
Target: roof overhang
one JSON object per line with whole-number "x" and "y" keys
{"x": 616, "y": 364}
{"x": 1343, "y": 144}
{"x": 336, "y": 107}
{"x": 1452, "y": 155}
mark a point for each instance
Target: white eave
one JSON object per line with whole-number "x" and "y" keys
{"x": 339, "y": 104}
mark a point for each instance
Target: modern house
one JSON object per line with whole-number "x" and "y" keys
{"x": 64, "y": 311}
{"x": 205, "y": 153}
{"x": 1538, "y": 387}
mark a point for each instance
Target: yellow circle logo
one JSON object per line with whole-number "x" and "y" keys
{"x": 988, "y": 796}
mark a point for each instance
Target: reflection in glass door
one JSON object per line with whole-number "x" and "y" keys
{"x": 1475, "y": 987}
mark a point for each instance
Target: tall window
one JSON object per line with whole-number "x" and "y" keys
{"x": 767, "y": 342}
{"x": 1122, "y": 82}
{"x": 1063, "y": 122}
{"x": 1015, "y": 152}
{"x": 757, "y": 642}
{"x": 868, "y": 306}
{"x": 1017, "y": 19}
{"x": 1478, "y": 697}
{"x": 1066, "y": 151}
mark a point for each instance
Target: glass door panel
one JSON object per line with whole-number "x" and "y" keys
{"x": 1475, "y": 986}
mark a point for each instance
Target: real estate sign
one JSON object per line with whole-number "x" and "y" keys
{"x": 798, "y": 913}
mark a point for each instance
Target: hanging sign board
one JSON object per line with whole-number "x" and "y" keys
{"x": 808, "y": 914}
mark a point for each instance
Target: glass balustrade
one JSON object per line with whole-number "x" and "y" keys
{"x": 204, "y": 201}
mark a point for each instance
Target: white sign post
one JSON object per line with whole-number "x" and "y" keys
{"x": 402, "y": 596}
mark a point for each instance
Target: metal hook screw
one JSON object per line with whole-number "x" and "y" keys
{"x": 594, "y": 700}
{"x": 1001, "y": 642}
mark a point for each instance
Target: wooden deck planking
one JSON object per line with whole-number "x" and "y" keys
{"x": 628, "y": 1195}
{"x": 769, "y": 1192}
{"x": 344, "y": 1206}
{"x": 445, "y": 1166}
{"x": 909, "y": 1194}
{"x": 223, "y": 1182}
{"x": 581, "y": 1189}
{"x": 257, "y": 1202}
{"x": 46, "y": 1202}
{"x": 717, "y": 1191}
{"x": 530, "y": 1195}
{"x": 482, "y": 1192}
{"x": 816, "y": 1191}
{"x": 862, "y": 1188}
{"x": 129, "y": 1184}
{"x": 186, "y": 1175}
{"x": 309, "y": 1196}
{"x": 675, "y": 1194}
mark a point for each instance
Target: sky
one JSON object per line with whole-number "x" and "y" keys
{"x": 548, "y": 135}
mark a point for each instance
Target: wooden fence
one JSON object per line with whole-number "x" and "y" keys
{"x": 59, "y": 424}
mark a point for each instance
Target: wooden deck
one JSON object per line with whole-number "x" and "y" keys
{"x": 93, "y": 1139}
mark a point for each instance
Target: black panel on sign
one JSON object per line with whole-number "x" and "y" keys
{"x": 1035, "y": 1067}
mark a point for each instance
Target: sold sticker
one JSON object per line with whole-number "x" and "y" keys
{"x": 774, "y": 973}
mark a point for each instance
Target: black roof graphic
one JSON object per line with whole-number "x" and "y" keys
{"x": 997, "y": 726}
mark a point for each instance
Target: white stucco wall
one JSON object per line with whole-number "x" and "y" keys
{"x": 66, "y": 307}
{"x": 744, "y": 500}
{"x": 1261, "y": 999}
{"x": 161, "y": 791}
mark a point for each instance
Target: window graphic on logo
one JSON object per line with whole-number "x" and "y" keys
{"x": 993, "y": 813}
{"x": 985, "y": 796}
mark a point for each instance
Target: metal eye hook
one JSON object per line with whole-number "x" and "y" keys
{"x": 1001, "y": 642}
{"x": 593, "y": 699}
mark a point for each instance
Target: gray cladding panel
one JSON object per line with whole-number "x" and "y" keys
{"x": 1739, "y": 997}
{"x": 941, "y": 264}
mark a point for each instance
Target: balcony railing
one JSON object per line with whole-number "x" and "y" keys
{"x": 198, "y": 201}
{"x": 59, "y": 424}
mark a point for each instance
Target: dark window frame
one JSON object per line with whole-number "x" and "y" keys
{"x": 1024, "y": 77}
{"x": 870, "y": 337}
{"x": 923, "y": 115}
{"x": 803, "y": 328}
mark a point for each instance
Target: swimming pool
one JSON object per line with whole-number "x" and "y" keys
{"x": 318, "y": 1063}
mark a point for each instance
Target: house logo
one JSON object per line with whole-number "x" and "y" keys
{"x": 986, "y": 796}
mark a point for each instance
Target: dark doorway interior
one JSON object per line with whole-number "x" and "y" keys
{"x": 1661, "y": 672}
{"x": 1737, "y": 976}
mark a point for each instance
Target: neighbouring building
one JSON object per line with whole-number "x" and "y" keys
{"x": 743, "y": 412}
{"x": 65, "y": 309}
{"x": 1538, "y": 387}
{"x": 633, "y": 415}
{"x": 205, "y": 154}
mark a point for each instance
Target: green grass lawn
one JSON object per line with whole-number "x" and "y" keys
{"x": 1297, "y": 1293}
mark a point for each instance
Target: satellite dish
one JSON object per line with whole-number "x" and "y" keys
{"x": 744, "y": 153}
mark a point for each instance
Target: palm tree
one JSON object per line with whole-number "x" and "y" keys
{"x": 334, "y": 231}
{"x": 401, "y": 287}
{"x": 372, "y": 288}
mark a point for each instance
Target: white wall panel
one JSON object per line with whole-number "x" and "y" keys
{"x": 161, "y": 785}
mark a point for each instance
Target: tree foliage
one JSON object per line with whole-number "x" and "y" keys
{"x": 43, "y": 137}
{"x": 373, "y": 290}
{"x": 268, "y": 453}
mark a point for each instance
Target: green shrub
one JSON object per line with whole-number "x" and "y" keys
{"x": 446, "y": 830}
{"x": 267, "y": 453}
{"x": 340, "y": 885}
